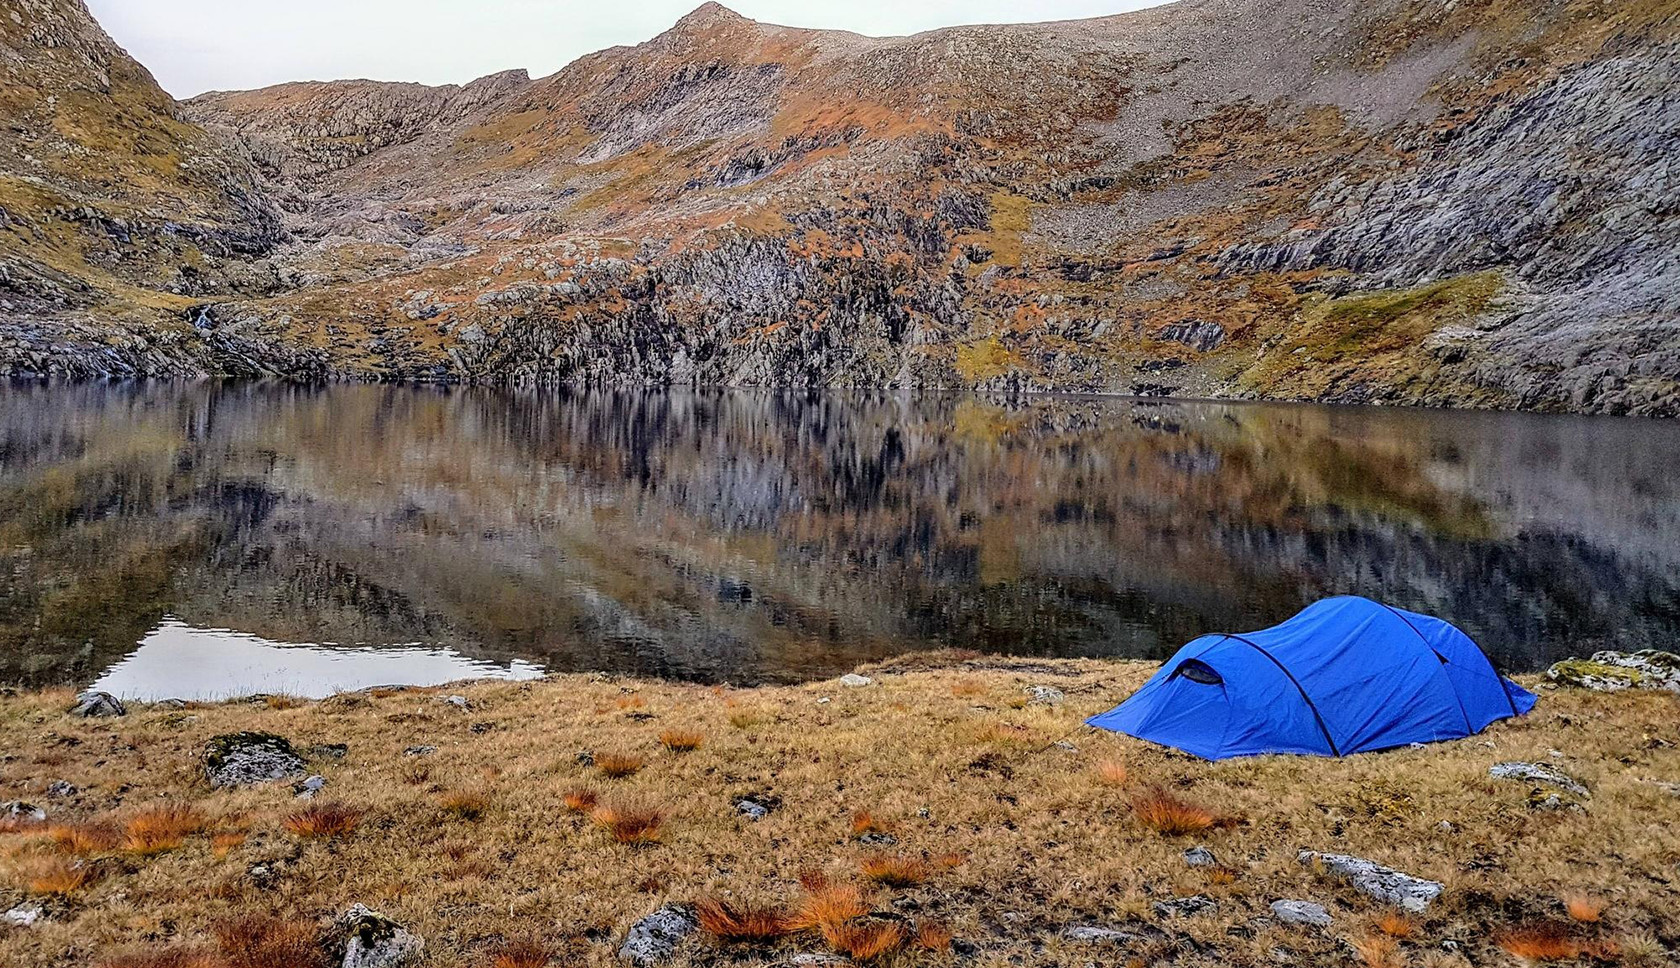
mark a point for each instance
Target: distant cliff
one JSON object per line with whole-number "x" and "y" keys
{"x": 1401, "y": 201}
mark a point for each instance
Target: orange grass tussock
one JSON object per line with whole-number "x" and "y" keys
{"x": 1171, "y": 815}
{"x": 1396, "y": 924}
{"x": 580, "y": 800}
{"x": 618, "y": 765}
{"x": 827, "y": 903}
{"x": 742, "y": 923}
{"x": 1540, "y": 941}
{"x": 85, "y": 838}
{"x": 867, "y": 940}
{"x": 61, "y": 878}
{"x": 1585, "y": 908}
{"x": 932, "y": 936}
{"x": 262, "y": 941}
{"x": 630, "y": 823}
{"x": 895, "y": 870}
{"x": 323, "y": 820}
{"x": 162, "y": 829}
{"x": 681, "y": 740}
{"x": 464, "y": 804}
{"x": 1111, "y": 773}
{"x": 522, "y": 954}
{"x": 1378, "y": 951}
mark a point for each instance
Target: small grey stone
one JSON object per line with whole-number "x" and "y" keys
{"x": 309, "y": 786}
{"x": 1200, "y": 857}
{"x": 1093, "y": 934}
{"x": 816, "y": 959}
{"x": 23, "y": 915}
{"x": 856, "y": 681}
{"x": 372, "y": 940}
{"x": 1538, "y": 773}
{"x": 1183, "y": 907}
{"x": 876, "y": 838}
{"x": 1066, "y": 746}
{"x": 1301, "y": 912}
{"x": 1376, "y": 881}
{"x": 752, "y": 809}
{"x": 91, "y": 704}
{"x": 459, "y": 702}
{"x": 329, "y": 751}
{"x": 655, "y": 938}
{"x": 61, "y": 788}
{"x": 420, "y": 751}
{"x": 1044, "y": 696}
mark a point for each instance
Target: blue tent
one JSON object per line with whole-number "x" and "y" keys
{"x": 1346, "y": 675}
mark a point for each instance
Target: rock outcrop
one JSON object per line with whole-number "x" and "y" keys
{"x": 1384, "y": 884}
{"x": 245, "y": 759}
{"x": 1464, "y": 204}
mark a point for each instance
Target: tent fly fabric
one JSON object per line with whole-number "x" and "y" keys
{"x": 1346, "y": 675}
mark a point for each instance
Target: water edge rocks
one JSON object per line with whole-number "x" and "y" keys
{"x": 245, "y": 759}
{"x": 1612, "y": 671}
{"x": 1376, "y": 881}
{"x": 93, "y": 704}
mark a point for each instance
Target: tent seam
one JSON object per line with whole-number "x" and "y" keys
{"x": 1440, "y": 667}
{"x": 1317, "y": 716}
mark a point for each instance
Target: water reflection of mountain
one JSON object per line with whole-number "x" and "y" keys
{"x": 746, "y": 536}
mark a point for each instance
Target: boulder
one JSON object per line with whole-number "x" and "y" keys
{"x": 24, "y": 915}
{"x": 1538, "y": 773}
{"x": 1301, "y": 912}
{"x": 1384, "y": 884}
{"x": 655, "y": 938}
{"x": 372, "y": 940}
{"x": 18, "y": 812}
{"x": 1612, "y": 671}
{"x": 856, "y": 681}
{"x": 98, "y": 704}
{"x": 244, "y": 759}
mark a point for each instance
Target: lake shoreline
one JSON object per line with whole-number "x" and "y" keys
{"x": 957, "y": 793}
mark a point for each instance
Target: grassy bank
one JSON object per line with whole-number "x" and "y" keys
{"x": 939, "y": 792}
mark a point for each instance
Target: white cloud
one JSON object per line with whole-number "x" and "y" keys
{"x": 198, "y": 45}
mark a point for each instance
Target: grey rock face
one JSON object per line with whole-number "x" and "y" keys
{"x": 1537, "y": 773}
{"x": 19, "y": 811}
{"x": 98, "y": 704}
{"x": 1045, "y": 696}
{"x": 1384, "y": 884}
{"x": 1183, "y": 907}
{"x": 372, "y": 940}
{"x": 1301, "y": 912}
{"x": 1094, "y": 934}
{"x": 244, "y": 759}
{"x": 1612, "y": 671}
{"x": 655, "y": 938}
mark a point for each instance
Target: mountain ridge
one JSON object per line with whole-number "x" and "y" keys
{"x": 1402, "y": 202}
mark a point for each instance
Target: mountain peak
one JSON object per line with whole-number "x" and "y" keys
{"x": 708, "y": 15}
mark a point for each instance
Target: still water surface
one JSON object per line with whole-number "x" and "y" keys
{"x": 206, "y": 541}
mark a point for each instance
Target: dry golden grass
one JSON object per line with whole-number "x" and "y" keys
{"x": 86, "y": 838}
{"x": 618, "y": 765}
{"x": 162, "y": 829}
{"x": 894, "y": 870}
{"x": 738, "y": 923}
{"x": 522, "y": 954}
{"x": 226, "y": 842}
{"x": 865, "y": 822}
{"x": 1043, "y": 834}
{"x": 743, "y": 718}
{"x": 324, "y": 820}
{"x": 1585, "y": 908}
{"x": 167, "y": 958}
{"x": 681, "y": 740}
{"x": 464, "y": 804}
{"x": 61, "y": 877}
{"x": 1171, "y": 815}
{"x": 631, "y": 823}
{"x": 1378, "y": 951}
{"x": 265, "y": 941}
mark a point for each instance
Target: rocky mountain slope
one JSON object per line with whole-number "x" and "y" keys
{"x": 1465, "y": 203}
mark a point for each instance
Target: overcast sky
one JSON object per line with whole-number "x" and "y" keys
{"x": 199, "y": 45}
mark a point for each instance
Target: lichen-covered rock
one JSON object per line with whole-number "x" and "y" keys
{"x": 1200, "y": 857}
{"x": 1094, "y": 934}
{"x": 654, "y": 938}
{"x": 243, "y": 759}
{"x": 1612, "y": 671}
{"x": 1301, "y": 912}
{"x": 856, "y": 681}
{"x": 1183, "y": 907}
{"x": 1044, "y": 696}
{"x": 93, "y": 704}
{"x": 1384, "y": 884}
{"x": 1538, "y": 773}
{"x": 372, "y": 940}
{"x": 18, "y": 813}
